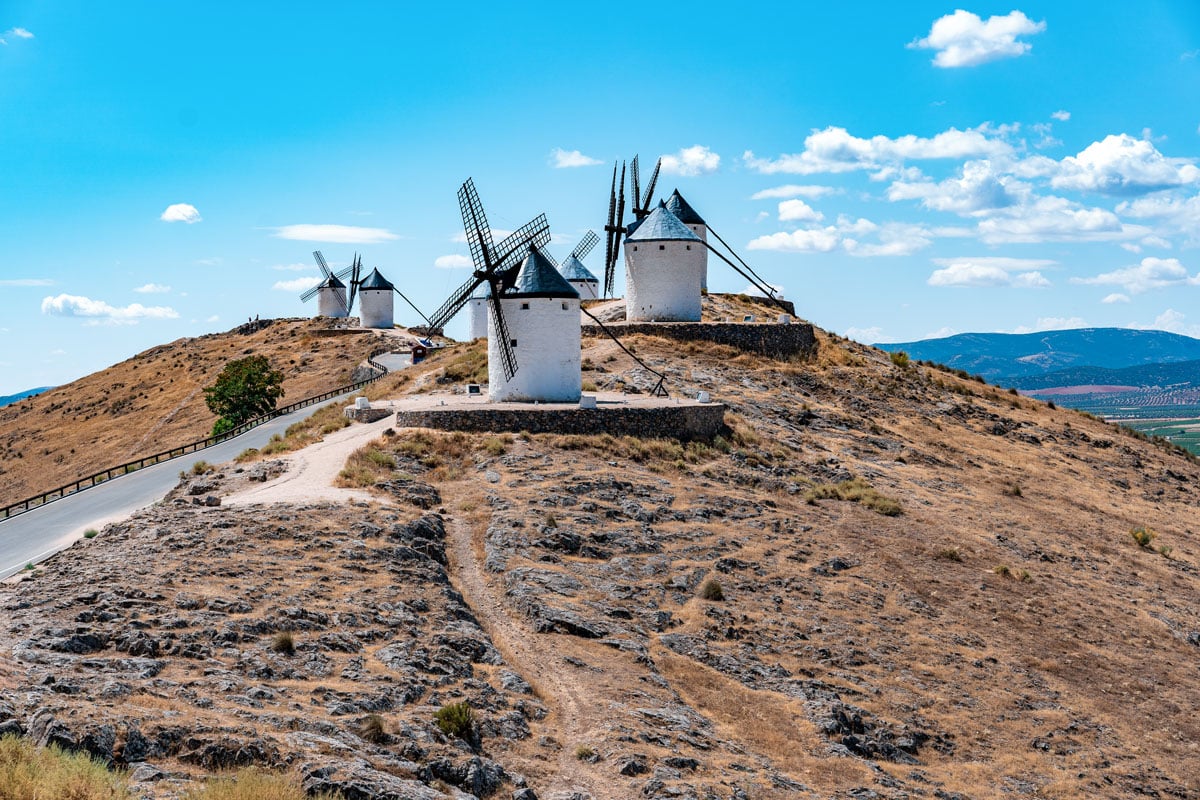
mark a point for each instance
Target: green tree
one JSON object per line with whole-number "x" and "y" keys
{"x": 245, "y": 389}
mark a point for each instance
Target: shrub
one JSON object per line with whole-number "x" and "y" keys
{"x": 254, "y": 784}
{"x": 585, "y": 753}
{"x": 1002, "y": 570}
{"x": 711, "y": 590}
{"x": 494, "y": 446}
{"x": 283, "y": 642}
{"x": 900, "y": 359}
{"x": 201, "y": 467}
{"x": 948, "y": 554}
{"x": 855, "y": 490}
{"x": 1013, "y": 489}
{"x": 1143, "y": 535}
{"x": 249, "y": 454}
{"x": 91, "y": 533}
{"x": 372, "y": 729}
{"x": 456, "y": 719}
{"x": 28, "y": 771}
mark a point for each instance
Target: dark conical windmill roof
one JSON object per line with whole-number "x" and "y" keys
{"x": 332, "y": 282}
{"x": 538, "y": 278}
{"x": 574, "y": 270}
{"x": 662, "y": 226}
{"x": 376, "y": 281}
{"x": 680, "y": 208}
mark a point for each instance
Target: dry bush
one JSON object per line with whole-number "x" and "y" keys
{"x": 31, "y": 773}
{"x": 465, "y": 363}
{"x": 367, "y": 466}
{"x": 855, "y": 490}
{"x": 253, "y": 784}
{"x": 283, "y": 642}
{"x": 327, "y": 419}
{"x": 711, "y": 590}
{"x": 456, "y": 719}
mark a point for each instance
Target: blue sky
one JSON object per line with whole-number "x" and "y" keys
{"x": 902, "y": 170}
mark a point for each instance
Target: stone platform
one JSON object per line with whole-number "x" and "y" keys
{"x": 615, "y": 414}
{"x": 776, "y": 340}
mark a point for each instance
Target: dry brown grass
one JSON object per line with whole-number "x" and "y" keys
{"x": 253, "y": 784}
{"x": 32, "y": 773}
{"x": 155, "y": 401}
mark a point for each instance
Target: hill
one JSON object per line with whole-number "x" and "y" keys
{"x": 155, "y": 401}
{"x": 1008, "y": 357}
{"x": 884, "y": 582}
{"x": 1176, "y": 375}
{"x": 12, "y": 398}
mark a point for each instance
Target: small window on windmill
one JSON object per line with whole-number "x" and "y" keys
{"x": 564, "y": 305}
{"x": 512, "y": 342}
{"x": 689, "y": 247}
{"x": 662, "y": 247}
{"x": 524, "y": 306}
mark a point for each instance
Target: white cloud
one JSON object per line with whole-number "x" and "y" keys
{"x": 337, "y": 234}
{"x": 153, "y": 288}
{"x": 691, "y": 161}
{"x": 895, "y": 239}
{"x": 802, "y": 241}
{"x": 941, "y": 333}
{"x": 26, "y": 282}
{"x": 1123, "y": 165}
{"x": 98, "y": 311}
{"x": 979, "y": 189}
{"x": 1053, "y": 324}
{"x": 1151, "y": 273}
{"x": 292, "y": 267}
{"x": 872, "y": 335}
{"x": 1115, "y": 297}
{"x": 15, "y": 33}
{"x": 753, "y": 291}
{"x": 1174, "y": 214}
{"x": 798, "y": 211}
{"x": 454, "y": 261}
{"x": 990, "y": 271}
{"x": 213, "y": 318}
{"x": 180, "y": 212}
{"x": 562, "y": 159}
{"x": 836, "y": 150}
{"x": 1054, "y": 219}
{"x": 962, "y": 39}
{"x": 1061, "y": 116}
{"x": 297, "y": 284}
{"x": 794, "y": 190}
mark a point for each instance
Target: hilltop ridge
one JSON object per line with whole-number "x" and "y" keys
{"x": 154, "y": 401}
{"x": 886, "y": 581}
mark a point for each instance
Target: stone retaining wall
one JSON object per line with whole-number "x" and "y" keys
{"x": 676, "y": 422}
{"x": 769, "y": 339}
{"x": 366, "y": 414}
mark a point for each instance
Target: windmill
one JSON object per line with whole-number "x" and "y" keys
{"x": 616, "y": 228}
{"x": 576, "y": 273}
{"x": 496, "y": 265}
{"x": 331, "y": 291}
{"x": 377, "y": 306}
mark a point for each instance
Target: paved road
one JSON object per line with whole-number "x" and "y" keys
{"x": 36, "y": 534}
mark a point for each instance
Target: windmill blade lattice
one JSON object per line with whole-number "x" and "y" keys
{"x": 309, "y": 294}
{"x": 585, "y": 245}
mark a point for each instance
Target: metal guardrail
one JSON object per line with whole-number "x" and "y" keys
{"x": 104, "y": 476}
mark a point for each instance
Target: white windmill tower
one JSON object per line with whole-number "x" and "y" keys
{"x": 688, "y": 216}
{"x": 477, "y": 308}
{"x": 584, "y": 282}
{"x": 331, "y": 291}
{"x": 664, "y": 265}
{"x": 533, "y": 320}
{"x": 377, "y": 306}
{"x": 542, "y": 314}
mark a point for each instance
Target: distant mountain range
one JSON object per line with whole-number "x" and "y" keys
{"x": 13, "y": 398}
{"x": 1029, "y": 360}
{"x": 1178, "y": 375}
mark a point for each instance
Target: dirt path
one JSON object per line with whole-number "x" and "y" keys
{"x": 311, "y": 471}
{"x": 575, "y": 717}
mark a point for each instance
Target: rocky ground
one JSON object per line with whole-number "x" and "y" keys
{"x": 887, "y": 581}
